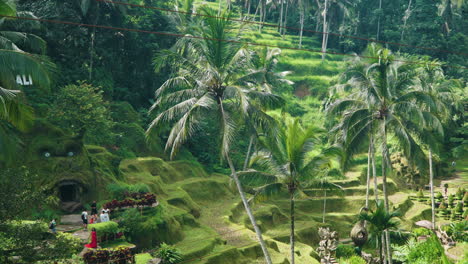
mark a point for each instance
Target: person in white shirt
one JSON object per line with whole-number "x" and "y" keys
{"x": 84, "y": 217}
{"x": 104, "y": 217}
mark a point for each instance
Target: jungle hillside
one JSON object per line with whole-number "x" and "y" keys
{"x": 234, "y": 132}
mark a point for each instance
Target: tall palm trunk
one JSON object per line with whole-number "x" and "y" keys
{"x": 280, "y": 22}
{"x": 405, "y": 19}
{"x": 369, "y": 161}
{"x": 374, "y": 171}
{"x": 378, "y": 20}
{"x": 91, "y": 55}
{"x": 292, "y": 238}
{"x": 384, "y": 251}
{"x": 431, "y": 183}
{"x": 381, "y": 248}
{"x": 249, "y": 149}
{"x": 285, "y": 18}
{"x": 384, "y": 183}
{"x": 325, "y": 30}
{"x": 301, "y": 21}
{"x": 242, "y": 195}
{"x": 324, "y": 206}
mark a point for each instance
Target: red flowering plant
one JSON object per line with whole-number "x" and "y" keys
{"x": 121, "y": 255}
{"x": 96, "y": 256}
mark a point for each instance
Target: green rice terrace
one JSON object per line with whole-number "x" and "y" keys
{"x": 233, "y": 132}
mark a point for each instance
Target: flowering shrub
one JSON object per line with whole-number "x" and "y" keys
{"x": 119, "y": 255}
{"x": 133, "y": 199}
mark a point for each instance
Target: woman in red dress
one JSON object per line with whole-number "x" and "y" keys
{"x": 93, "y": 243}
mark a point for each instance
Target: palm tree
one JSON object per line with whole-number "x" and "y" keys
{"x": 15, "y": 61}
{"x": 336, "y": 9}
{"x": 431, "y": 80}
{"x": 385, "y": 101}
{"x": 265, "y": 74}
{"x": 381, "y": 221}
{"x": 285, "y": 164}
{"x": 209, "y": 78}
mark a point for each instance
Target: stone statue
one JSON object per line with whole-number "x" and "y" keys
{"x": 327, "y": 245}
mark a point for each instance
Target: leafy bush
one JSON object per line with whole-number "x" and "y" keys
{"x": 420, "y": 194}
{"x": 459, "y": 208}
{"x": 458, "y": 231}
{"x": 106, "y": 230}
{"x": 82, "y": 110}
{"x": 168, "y": 254}
{"x": 429, "y": 251}
{"x": 140, "y": 199}
{"x": 345, "y": 251}
{"x": 460, "y": 193}
{"x": 421, "y": 232}
{"x": 439, "y": 196}
{"x": 65, "y": 246}
{"x": 117, "y": 191}
{"x": 451, "y": 199}
{"x": 32, "y": 242}
{"x": 121, "y": 191}
{"x": 353, "y": 260}
{"x": 119, "y": 255}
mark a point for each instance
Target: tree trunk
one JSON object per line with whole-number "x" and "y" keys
{"x": 324, "y": 206}
{"x": 384, "y": 183}
{"x": 389, "y": 251}
{"x": 381, "y": 249}
{"x": 369, "y": 158}
{"x": 292, "y": 239}
{"x": 431, "y": 183}
{"x": 280, "y": 22}
{"x": 249, "y": 149}
{"x": 325, "y": 30}
{"x": 243, "y": 198}
{"x": 91, "y": 55}
{"x": 378, "y": 20}
{"x": 405, "y": 19}
{"x": 384, "y": 255}
{"x": 301, "y": 21}
{"x": 285, "y": 18}
{"x": 374, "y": 171}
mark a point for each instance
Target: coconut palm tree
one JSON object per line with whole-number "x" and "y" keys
{"x": 381, "y": 221}
{"x": 431, "y": 80}
{"x": 385, "y": 101}
{"x": 15, "y": 63}
{"x": 336, "y": 9}
{"x": 266, "y": 76}
{"x": 285, "y": 164}
{"x": 209, "y": 79}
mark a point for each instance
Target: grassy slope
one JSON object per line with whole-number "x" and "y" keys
{"x": 223, "y": 233}
{"x": 211, "y": 219}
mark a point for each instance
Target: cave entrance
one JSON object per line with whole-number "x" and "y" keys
{"x": 69, "y": 192}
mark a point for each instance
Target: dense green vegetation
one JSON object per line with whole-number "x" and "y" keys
{"x": 222, "y": 100}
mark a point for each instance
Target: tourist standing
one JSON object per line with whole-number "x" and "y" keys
{"x": 84, "y": 217}
{"x": 53, "y": 225}
{"x": 104, "y": 217}
{"x": 107, "y": 211}
{"x": 94, "y": 208}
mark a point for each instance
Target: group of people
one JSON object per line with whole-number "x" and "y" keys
{"x": 93, "y": 218}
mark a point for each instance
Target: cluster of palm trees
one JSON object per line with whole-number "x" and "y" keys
{"x": 218, "y": 78}
{"x": 387, "y": 97}
{"x": 14, "y": 61}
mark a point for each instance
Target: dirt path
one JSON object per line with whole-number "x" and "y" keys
{"x": 72, "y": 223}
{"x": 215, "y": 215}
